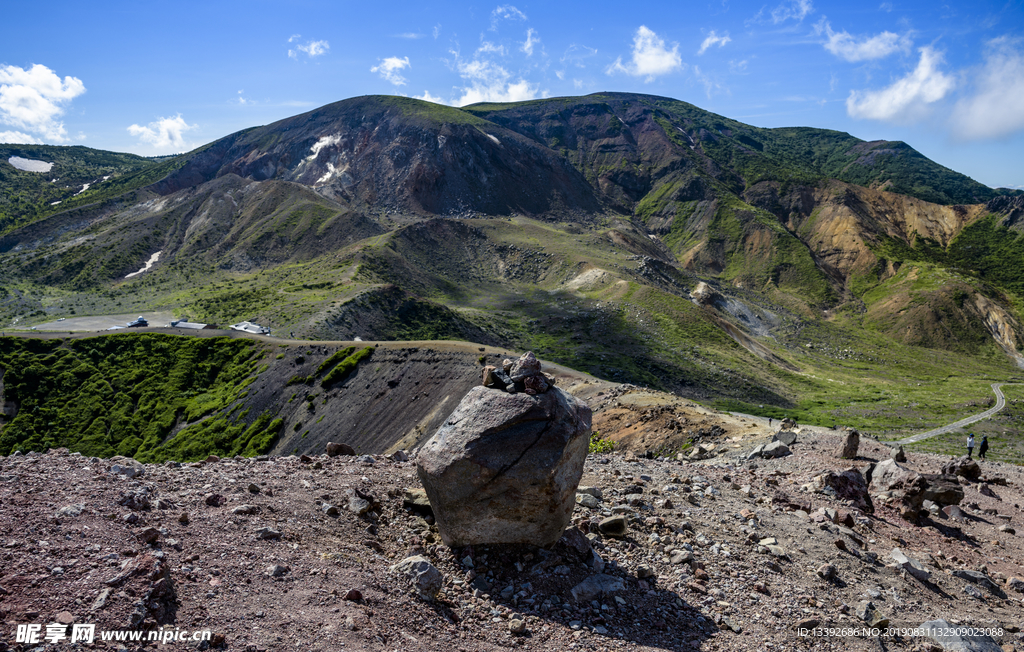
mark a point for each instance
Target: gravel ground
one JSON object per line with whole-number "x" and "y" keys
{"x": 74, "y": 532}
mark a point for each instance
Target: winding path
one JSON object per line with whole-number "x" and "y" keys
{"x": 1000, "y": 404}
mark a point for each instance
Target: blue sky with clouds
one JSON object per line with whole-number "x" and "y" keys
{"x": 156, "y": 78}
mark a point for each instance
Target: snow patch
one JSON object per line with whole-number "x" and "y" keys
{"x": 84, "y": 188}
{"x": 494, "y": 138}
{"x": 149, "y": 263}
{"x": 54, "y": 203}
{"x": 29, "y": 165}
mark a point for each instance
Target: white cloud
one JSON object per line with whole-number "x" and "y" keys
{"x": 846, "y": 47}
{"x": 18, "y": 137}
{"x": 578, "y": 54}
{"x": 427, "y": 97}
{"x": 311, "y": 49}
{"x": 389, "y": 69}
{"x": 486, "y": 47}
{"x": 409, "y": 35}
{"x": 530, "y": 42}
{"x": 794, "y": 9}
{"x": 996, "y": 106}
{"x": 713, "y": 39}
{"x": 33, "y": 100}
{"x": 164, "y": 134}
{"x": 505, "y": 12}
{"x": 437, "y": 30}
{"x": 650, "y": 57}
{"x": 490, "y": 82}
{"x": 907, "y": 99}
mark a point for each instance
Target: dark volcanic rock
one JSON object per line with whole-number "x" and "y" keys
{"x": 504, "y": 467}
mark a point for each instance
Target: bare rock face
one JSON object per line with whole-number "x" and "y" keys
{"x": 850, "y": 445}
{"x": 704, "y": 294}
{"x": 504, "y": 467}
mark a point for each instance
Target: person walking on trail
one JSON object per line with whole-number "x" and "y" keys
{"x": 970, "y": 445}
{"x": 769, "y": 422}
{"x": 983, "y": 448}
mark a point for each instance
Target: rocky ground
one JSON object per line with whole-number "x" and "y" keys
{"x": 273, "y": 554}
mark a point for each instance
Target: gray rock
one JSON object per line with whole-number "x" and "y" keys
{"x": 596, "y": 586}
{"x": 504, "y": 467}
{"x": 588, "y": 501}
{"x": 850, "y": 445}
{"x": 422, "y": 577}
{"x": 981, "y": 579}
{"x": 867, "y": 612}
{"x": 910, "y": 565}
{"x": 681, "y": 557}
{"x": 267, "y": 533}
{"x": 775, "y": 449}
{"x": 754, "y": 454}
{"x": 128, "y": 470}
{"x": 70, "y": 511}
{"x": 591, "y": 491}
{"x": 964, "y": 466}
{"x": 246, "y": 510}
{"x": 957, "y": 638}
{"x": 787, "y": 437}
{"x": 1015, "y": 584}
{"x": 516, "y": 627}
{"x": 101, "y": 600}
{"x": 416, "y": 500}
{"x": 613, "y": 526}
{"x": 278, "y": 570}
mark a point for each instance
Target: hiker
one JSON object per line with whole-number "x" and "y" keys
{"x": 970, "y": 444}
{"x": 769, "y": 422}
{"x": 983, "y": 448}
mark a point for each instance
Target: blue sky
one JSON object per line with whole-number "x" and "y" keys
{"x": 157, "y": 78}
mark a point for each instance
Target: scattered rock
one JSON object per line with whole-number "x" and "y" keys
{"x": 278, "y": 570}
{"x": 215, "y": 500}
{"x": 596, "y": 586}
{"x": 897, "y": 454}
{"x": 613, "y": 526}
{"x": 959, "y": 637}
{"x": 981, "y": 579}
{"x": 70, "y": 511}
{"x": 334, "y": 450}
{"x": 912, "y": 566}
{"x": 964, "y": 467}
{"x": 787, "y": 437}
{"x": 149, "y": 535}
{"x": 850, "y": 445}
{"x": 423, "y": 578}
{"x": 775, "y": 449}
{"x": 267, "y": 533}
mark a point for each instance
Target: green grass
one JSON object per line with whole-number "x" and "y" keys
{"x": 125, "y": 394}
{"x": 345, "y": 367}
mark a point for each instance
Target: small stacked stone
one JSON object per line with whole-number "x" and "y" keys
{"x": 522, "y": 375}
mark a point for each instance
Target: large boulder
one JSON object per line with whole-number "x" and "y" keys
{"x": 905, "y": 486}
{"x": 943, "y": 489}
{"x": 847, "y": 485}
{"x": 850, "y": 445}
{"x": 504, "y": 468}
{"x": 965, "y": 467}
